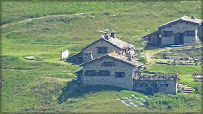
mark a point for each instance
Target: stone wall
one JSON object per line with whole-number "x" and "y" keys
{"x": 167, "y": 40}
{"x": 189, "y": 40}
{"x": 125, "y": 82}
{"x": 93, "y": 48}
{"x": 168, "y": 86}
{"x": 187, "y": 50}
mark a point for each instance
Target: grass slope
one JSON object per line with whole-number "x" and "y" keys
{"x": 37, "y": 85}
{"x": 185, "y": 71}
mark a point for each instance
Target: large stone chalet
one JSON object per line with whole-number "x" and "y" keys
{"x": 124, "y": 72}
{"x": 185, "y": 30}
{"x": 110, "y": 69}
{"x": 106, "y": 44}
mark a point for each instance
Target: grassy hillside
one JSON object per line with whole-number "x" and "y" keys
{"x": 47, "y": 28}
{"x": 185, "y": 72}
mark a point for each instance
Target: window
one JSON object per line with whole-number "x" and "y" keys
{"x": 166, "y": 85}
{"x": 154, "y": 84}
{"x": 161, "y": 85}
{"x": 102, "y": 50}
{"x": 167, "y": 33}
{"x": 90, "y": 73}
{"x": 189, "y": 33}
{"x": 103, "y": 73}
{"x": 108, "y": 64}
{"x": 119, "y": 74}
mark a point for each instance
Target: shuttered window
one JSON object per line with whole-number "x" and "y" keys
{"x": 90, "y": 73}
{"x": 119, "y": 74}
{"x": 189, "y": 33}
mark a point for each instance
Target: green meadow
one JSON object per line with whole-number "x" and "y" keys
{"x": 44, "y": 29}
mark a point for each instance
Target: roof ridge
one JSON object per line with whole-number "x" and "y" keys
{"x": 118, "y": 57}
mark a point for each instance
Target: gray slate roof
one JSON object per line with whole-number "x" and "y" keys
{"x": 117, "y": 57}
{"x": 114, "y": 41}
{"x": 184, "y": 18}
{"x": 119, "y": 43}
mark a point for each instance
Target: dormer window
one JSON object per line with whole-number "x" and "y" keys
{"x": 119, "y": 74}
{"x": 102, "y": 50}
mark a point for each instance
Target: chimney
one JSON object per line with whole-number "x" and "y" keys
{"x": 192, "y": 17}
{"x": 129, "y": 56}
{"x": 106, "y": 36}
{"x": 113, "y": 35}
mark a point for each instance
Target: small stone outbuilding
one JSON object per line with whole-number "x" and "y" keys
{"x": 166, "y": 83}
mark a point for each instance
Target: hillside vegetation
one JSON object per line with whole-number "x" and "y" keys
{"x": 44, "y": 29}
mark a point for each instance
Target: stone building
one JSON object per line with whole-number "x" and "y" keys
{"x": 124, "y": 72}
{"x": 166, "y": 83}
{"x": 110, "y": 69}
{"x": 185, "y": 30}
{"x": 106, "y": 44}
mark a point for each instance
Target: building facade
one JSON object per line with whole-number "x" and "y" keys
{"x": 185, "y": 30}
{"x": 166, "y": 83}
{"x": 111, "y": 69}
{"x": 119, "y": 71}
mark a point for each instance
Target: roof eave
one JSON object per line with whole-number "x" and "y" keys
{"x": 175, "y": 21}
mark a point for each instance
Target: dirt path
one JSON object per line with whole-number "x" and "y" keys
{"x": 148, "y": 55}
{"x": 38, "y": 18}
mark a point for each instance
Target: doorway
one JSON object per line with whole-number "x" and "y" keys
{"x": 179, "y": 39}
